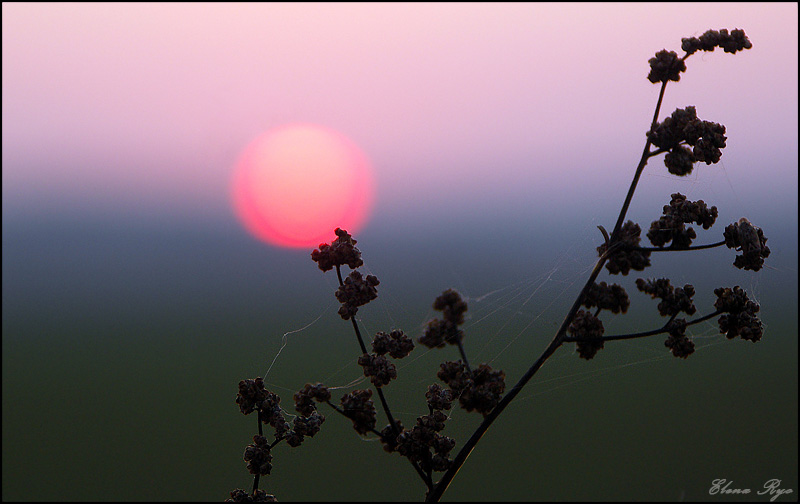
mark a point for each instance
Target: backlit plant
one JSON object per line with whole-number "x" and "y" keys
{"x": 685, "y": 140}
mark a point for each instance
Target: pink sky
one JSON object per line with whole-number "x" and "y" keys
{"x": 148, "y": 105}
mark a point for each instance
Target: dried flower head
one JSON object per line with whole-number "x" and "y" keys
{"x": 356, "y": 291}
{"x": 665, "y": 66}
{"x": 677, "y": 341}
{"x": 739, "y": 317}
{"x": 258, "y": 457}
{"x": 485, "y": 391}
{"x": 671, "y": 225}
{"x": 708, "y": 147}
{"x": 451, "y": 305}
{"x": 252, "y": 395}
{"x": 435, "y": 421}
{"x": 277, "y": 421}
{"x": 589, "y": 330}
{"x": 624, "y": 256}
{"x": 304, "y": 426}
{"x": 304, "y": 399}
{"x": 341, "y": 251}
{"x": 423, "y": 443}
{"x": 730, "y": 43}
{"x": 455, "y": 374}
{"x": 439, "y": 398}
{"x": 750, "y": 241}
{"x": 395, "y": 343}
{"x": 683, "y": 127}
{"x": 378, "y": 368}
{"x": 240, "y": 495}
{"x": 670, "y": 132}
{"x": 478, "y": 390}
{"x": 673, "y": 299}
{"x": 438, "y": 332}
{"x": 358, "y": 407}
{"x": 389, "y": 436}
{"x": 680, "y": 161}
{"x": 607, "y": 297}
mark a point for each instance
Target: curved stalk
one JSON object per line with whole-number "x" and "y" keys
{"x": 673, "y": 249}
{"x": 654, "y": 332}
{"x": 381, "y": 396}
{"x": 558, "y": 339}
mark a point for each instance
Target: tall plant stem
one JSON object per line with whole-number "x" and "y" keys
{"x": 442, "y": 485}
{"x": 640, "y": 168}
{"x": 436, "y": 494}
{"x": 672, "y": 249}
{"x": 260, "y": 433}
{"x": 384, "y": 403}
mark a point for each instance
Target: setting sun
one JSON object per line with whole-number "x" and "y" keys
{"x": 295, "y": 184}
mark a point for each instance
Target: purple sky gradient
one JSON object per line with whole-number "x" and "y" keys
{"x": 143, "y": 109}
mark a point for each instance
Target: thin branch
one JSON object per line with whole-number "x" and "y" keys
{"x": 260, "y": 433}
{"x": 643, "y": 334}
{"x": 659, "y": 151}
{"x": 463, "y": 355}
{"x": 676, "y": 249}
{"x": 381, "y": 396}
{"x": 341, "y": 412}
{"x": 558, "y": 339}
{"x": 640, "y": 168}
{"x": 462, "y": 455}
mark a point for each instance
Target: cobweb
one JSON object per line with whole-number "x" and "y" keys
{"x": 523, "y": 316}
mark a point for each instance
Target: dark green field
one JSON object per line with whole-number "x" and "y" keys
{"x": 123, "y": 346}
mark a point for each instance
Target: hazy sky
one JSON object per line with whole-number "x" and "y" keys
{"x": 122, "y": 125}
{"x": 142, "y": 109}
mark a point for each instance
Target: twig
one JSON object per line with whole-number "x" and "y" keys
{"x": 381, "y": 396}
{"x": 558, "y": 339}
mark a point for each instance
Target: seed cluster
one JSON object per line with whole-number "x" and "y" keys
{"x": 731, "y": 42}
{"x": 665, "y": 66}
{"x": 607, "y": 297}
{"x": 439, "y": 332}
{"x": 673, "y": 300}
{"x": 358, "y": 407}
{"x": 479, "y": 390}
{"x": 304, "y": 399}
{"x": 377, "y": 366}
{"x": 395, "y": 343}
{"x": 340, "y": 252}
{"x": 253, "y": 396}
{"x": 259, "y": 495}
{"x": 423, "y": 443}
{"x": 356, "y": 291}
{"x": 671, "y": 226}
{"x": 625, "y": 255}
{"x": 589, "y": 331}
{"x": 683, "y": 128}
{"x": 304, "y": 426}
{"x": 677, "y": 341}
{"x": 739, "y": 318}
{"x": 685, "y": 140}
{"x": 439, "y": 398}
{"x": 750, "y": 241}
{"x": 258, "y": 457}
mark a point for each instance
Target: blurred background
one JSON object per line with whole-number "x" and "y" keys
{"x": 500, "y": 136}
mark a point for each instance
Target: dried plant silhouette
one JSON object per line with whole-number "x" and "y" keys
{"x": 685, "y": 140}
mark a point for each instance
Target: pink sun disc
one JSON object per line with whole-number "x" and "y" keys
{"x": 294, "y": 185}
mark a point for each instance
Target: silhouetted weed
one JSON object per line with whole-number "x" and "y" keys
{"x": 685, "y": 140}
